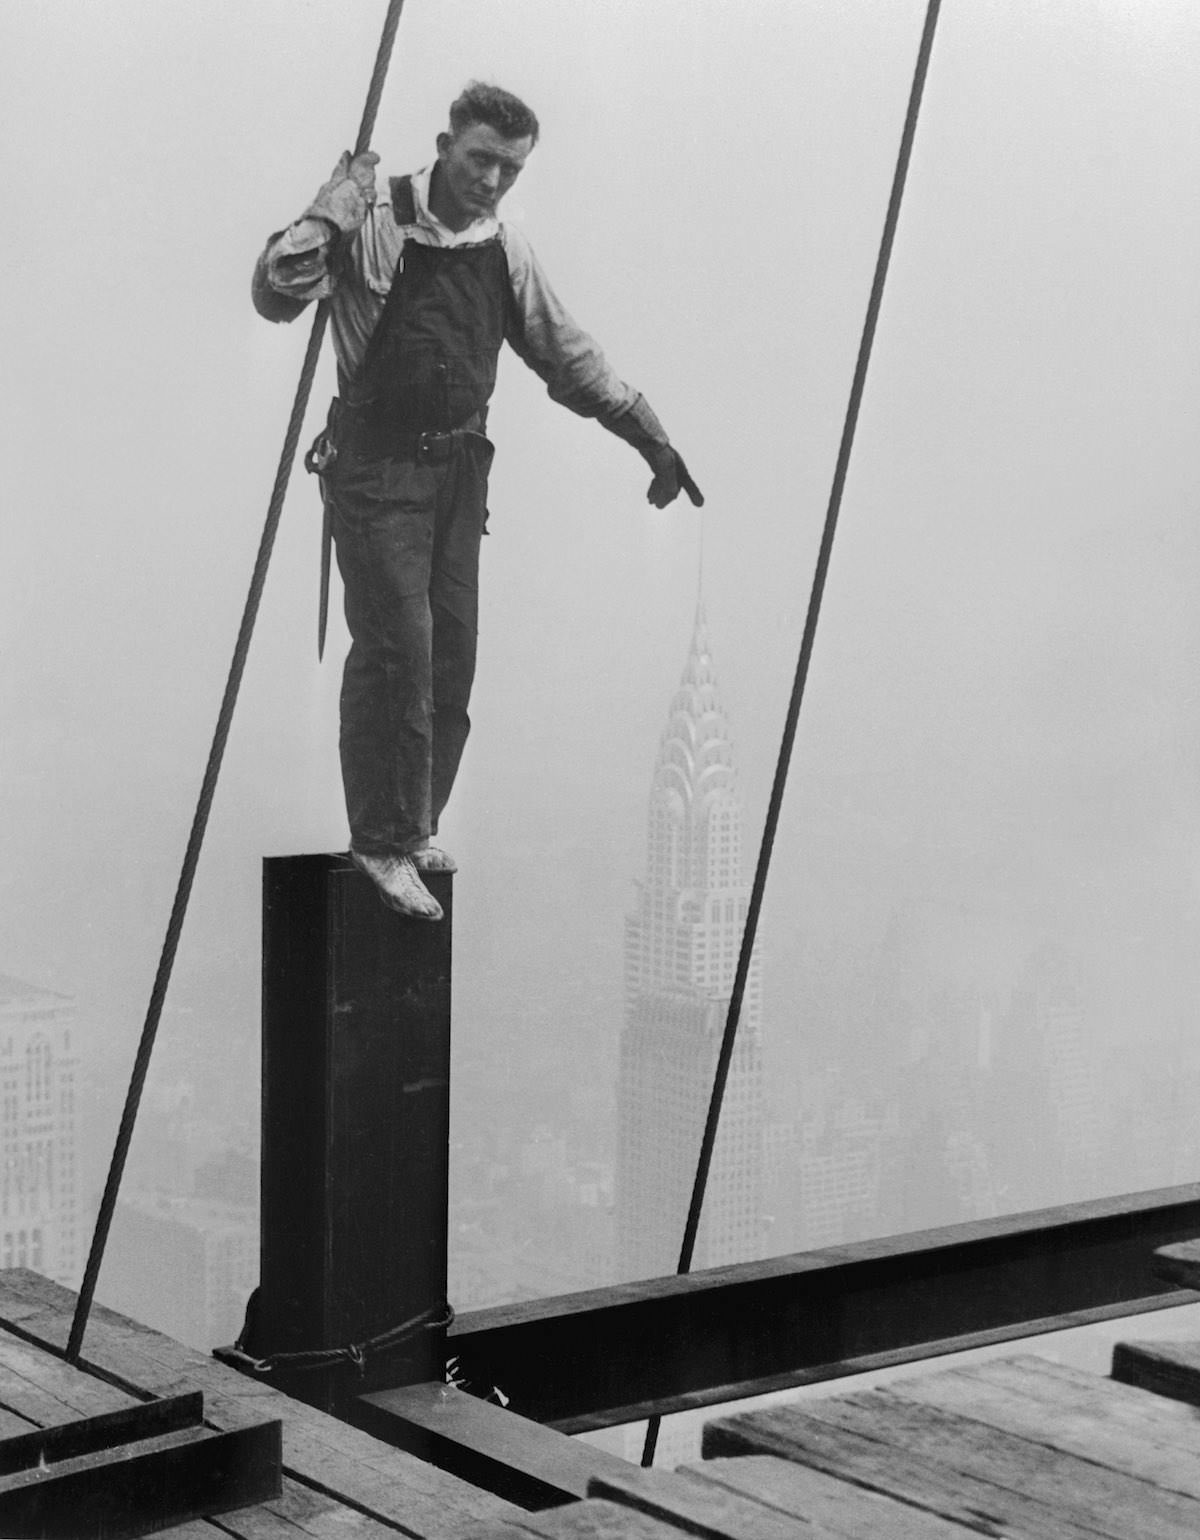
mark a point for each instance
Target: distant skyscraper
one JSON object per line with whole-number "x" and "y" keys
{"x": 837, "y": 1174}
{"x": 183, "y": 1265}
{"x": 39, "y": 1217}
{"x": 1046, "y": 1063}
{"x": 681, "y": 950}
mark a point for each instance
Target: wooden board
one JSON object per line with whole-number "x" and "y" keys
{"x": 877, "y": 1467}
{"x": 832, "y": 1507}
{"x": 595, "y": 1519}
{"x": 693, "y": 1501}
{"x": 960, "y": 1468}
{"x": 751, "y": 1498}
{"x": 1170, "y": 1369}
{"x": 485, "y": 1444}
{"x": 324, "y": 1459}
{"x": 1072, "y": 1387}
{"x": 1111, "y": 1502}
{"x": 1094, "y": 1421}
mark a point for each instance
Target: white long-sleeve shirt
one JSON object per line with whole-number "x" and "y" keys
{"x": 313, "y": 260}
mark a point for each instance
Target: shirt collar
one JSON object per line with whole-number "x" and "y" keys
{"x": 478, "y": 230}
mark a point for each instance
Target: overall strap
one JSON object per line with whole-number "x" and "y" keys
{"x": 404, "y": 204}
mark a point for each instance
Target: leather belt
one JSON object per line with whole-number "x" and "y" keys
{"x": 423, "y": 446}
{"x": 428, "y": 447}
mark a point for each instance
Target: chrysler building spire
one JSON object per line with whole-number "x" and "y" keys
{"x": 694, "y": 897}
{"x": 681, "y": 951}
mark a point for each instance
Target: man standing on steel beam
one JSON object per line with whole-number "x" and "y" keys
{"x": 423, "y": 290}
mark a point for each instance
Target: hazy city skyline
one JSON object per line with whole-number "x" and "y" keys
{"x": 984, "y": 1042}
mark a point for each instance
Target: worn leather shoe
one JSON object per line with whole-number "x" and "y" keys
{"x": 399, "y": 885}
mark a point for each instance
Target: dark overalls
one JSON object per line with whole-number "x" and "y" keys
{"x": 408, "y": 490}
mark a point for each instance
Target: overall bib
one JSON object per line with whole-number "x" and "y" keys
{"x": 408, "y": 491}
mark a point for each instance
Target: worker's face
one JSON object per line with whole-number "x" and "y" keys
{"x": 478, "y": 167}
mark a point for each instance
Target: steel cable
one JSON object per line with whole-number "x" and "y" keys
{"x": 220, "y": 736}
{"x": 783, "y": 762}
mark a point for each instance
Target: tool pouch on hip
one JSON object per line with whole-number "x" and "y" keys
{"x": 324, "y": 449}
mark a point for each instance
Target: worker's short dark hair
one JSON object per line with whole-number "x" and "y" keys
{"x": 499, "y": 109}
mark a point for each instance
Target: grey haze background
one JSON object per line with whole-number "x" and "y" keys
{"x": 999, "y": 747}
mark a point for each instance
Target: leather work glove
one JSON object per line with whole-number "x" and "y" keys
{"x": 670, "y": 478}
{"x": 348, "y": 194}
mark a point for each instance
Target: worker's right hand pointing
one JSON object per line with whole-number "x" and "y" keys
{"x": 670, "y": 478}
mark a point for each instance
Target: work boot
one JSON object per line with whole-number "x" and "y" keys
{"x": 432, "y": 858}
{"x": 399, "y": 885}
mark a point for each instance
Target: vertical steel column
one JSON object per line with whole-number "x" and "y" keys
{"x": 355, "y": 1126}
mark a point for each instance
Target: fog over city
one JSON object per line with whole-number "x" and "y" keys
{"x": 979, "y": 936}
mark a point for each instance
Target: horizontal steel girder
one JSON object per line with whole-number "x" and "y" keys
{"x": 612, "y": 1355}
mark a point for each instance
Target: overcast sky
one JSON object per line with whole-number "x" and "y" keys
{"x": 1002, "y": 713}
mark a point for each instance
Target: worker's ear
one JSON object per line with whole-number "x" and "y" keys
{"x": 443, "y": 144}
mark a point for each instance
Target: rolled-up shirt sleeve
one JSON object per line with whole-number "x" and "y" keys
{"x": 571, "y": 363}
{"x": 294, "y": 269}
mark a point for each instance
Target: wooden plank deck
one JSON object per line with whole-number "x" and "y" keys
{"x": 337, "y": 1481}
{"x": 1017, "y": 1447}
{"x": 996, "y": 1462}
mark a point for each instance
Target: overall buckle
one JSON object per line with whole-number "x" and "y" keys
{"x": 434, "y": 448}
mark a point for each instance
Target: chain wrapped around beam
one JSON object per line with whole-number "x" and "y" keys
{"x": 435, "y": 1318}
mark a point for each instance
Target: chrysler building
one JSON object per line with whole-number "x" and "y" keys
{"x": 681, "y": 951}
